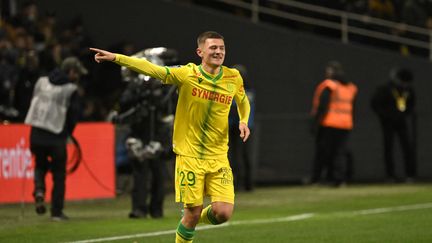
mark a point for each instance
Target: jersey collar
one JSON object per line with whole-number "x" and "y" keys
{"x": 209, "y": 77}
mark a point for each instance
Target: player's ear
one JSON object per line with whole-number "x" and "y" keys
{"x": 199, "y": 52}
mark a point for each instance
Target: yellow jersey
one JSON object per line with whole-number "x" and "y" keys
{"x": 201, "y": 119}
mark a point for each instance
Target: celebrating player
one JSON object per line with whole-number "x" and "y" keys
{"x": 200, "y": 138}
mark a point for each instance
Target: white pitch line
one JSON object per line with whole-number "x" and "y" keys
{"x": 393, "y": 209}
{"x": 262, "y": 221}
{"x": 273, "y": 220}
{"x": 206, "y": 227}
{"x": 124, "y": 237}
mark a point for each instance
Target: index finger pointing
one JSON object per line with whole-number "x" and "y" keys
{"x": 95, "y": 49}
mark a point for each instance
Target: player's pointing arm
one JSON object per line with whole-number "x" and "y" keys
{"x": 137, "y": 64}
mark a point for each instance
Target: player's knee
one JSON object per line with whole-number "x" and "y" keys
{"x": 222, "y": 211}
{"x": 222, "y": 215}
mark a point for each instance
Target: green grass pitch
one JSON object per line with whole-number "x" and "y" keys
{"x": 357, "y": 213}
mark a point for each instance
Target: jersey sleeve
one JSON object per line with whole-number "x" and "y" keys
{"x": 142, "y": 66}
{"x": 178, "y": 75}
{"x": 168, "y": 75}
{"x": 242, "y": 101}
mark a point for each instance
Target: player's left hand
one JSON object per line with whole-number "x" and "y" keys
{"x": 244, "y": 131}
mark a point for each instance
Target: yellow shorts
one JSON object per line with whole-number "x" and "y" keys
{"x": 196, "y": 178}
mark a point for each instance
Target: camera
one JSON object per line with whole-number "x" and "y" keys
{"x": 147, "y": 107}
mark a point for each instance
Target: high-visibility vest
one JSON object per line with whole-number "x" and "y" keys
{"x": 48, "y": 108}
{"x": 340, "y": 110}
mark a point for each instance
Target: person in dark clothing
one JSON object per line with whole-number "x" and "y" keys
{"x": 394, "y": 104}
{"x": 148, "y": 108}
{"x": 148, "y": 144}
{"x": 53, "y": 114}
{"x": 333, "y": 120}
{"x": 240, "y": 154}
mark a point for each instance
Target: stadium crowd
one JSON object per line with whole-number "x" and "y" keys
{"x": 417, "y": 13}
{"x": 412, "y": 12}
{"x": 33, "y": 44}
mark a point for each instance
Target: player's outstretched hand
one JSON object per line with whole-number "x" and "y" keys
{"x": 244, "y": 131}
{"x": 102, "y": 55}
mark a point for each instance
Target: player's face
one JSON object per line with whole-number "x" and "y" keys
{"x": 212, "y": 52}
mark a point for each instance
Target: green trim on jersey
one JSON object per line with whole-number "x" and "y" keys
{"x": 218, "y": 76}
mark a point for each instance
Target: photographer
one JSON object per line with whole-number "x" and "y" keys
{"x": 53, "y": 115}
{"x": 147, "y": 108}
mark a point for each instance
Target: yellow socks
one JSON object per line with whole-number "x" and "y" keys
{"x": 207, "y": 216}
{"x": 185, "y": 235}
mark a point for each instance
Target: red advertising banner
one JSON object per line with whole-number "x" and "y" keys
{"x": 94, "y": 178}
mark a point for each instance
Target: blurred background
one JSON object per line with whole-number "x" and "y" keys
{"x": 284, "y": 46}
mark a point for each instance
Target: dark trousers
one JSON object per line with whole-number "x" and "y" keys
{"x": 143, "y": 172}
{"x": 330, "y": 155}
{"x": 51, "y": 158}
{"x": 399, "y": 129}
{"x": 241, "y": 162}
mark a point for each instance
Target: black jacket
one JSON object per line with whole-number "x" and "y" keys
{"x": 384, "y": 103}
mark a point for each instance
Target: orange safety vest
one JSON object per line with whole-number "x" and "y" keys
{"x": 340, "y": 111}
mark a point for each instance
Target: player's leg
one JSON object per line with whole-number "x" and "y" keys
{"x": 186, "y": 227}
{"x": 189, "y": 187}
{"x": 217, "y": 213}
{"x": 219, "y": 186}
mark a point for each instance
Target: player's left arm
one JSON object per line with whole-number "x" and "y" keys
{"x": 243, "y": 109}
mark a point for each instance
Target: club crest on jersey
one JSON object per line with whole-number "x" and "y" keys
{"x": 227, "y": 176}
